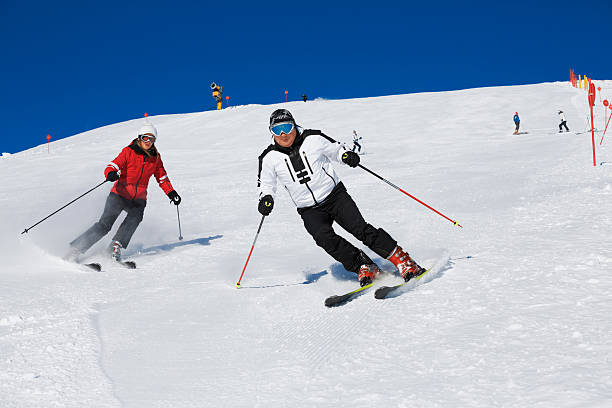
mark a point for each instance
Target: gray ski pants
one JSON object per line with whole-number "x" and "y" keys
{"x": 115, "y": 204}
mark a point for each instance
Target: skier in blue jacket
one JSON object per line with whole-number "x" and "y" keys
{"x": 517, "y": 122}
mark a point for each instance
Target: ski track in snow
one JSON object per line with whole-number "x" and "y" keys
{"x": 524, "y": 322}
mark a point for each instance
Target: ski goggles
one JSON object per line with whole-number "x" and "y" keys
{"x": 285, "y": 128}
{"x": 147, "y": 138}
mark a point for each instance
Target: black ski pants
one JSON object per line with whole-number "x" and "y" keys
{"x": 115, "y": 204}
{"x": 563, "y": 123}
{"x": 340, "y": 207}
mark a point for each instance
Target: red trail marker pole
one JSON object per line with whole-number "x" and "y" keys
{"x": 48, "y": 139}
{"x": 286, "y": 92}
{"x": 605, "y": 104}
{"x": 604, "y": 109}
{"x": 604, "y": 133}
{"x": 591, "y": 103}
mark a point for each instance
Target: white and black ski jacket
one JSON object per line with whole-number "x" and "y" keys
{"x": 304, "y": 169}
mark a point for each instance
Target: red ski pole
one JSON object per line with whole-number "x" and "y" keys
{"x": 410, "y": 195}
{"x": 250, "y": 252}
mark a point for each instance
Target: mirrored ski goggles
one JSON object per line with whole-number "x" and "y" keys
{"x": 147, "y": 138}
{"x": 285, "y": 128}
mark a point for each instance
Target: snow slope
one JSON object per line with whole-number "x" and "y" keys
{"x": 519, "y": 316}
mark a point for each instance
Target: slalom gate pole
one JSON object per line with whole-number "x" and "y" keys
{"x": 55, "y": 212}
{"x": 250, "y": 252}
{"x": 604, "y": 133}
{"x": 178, "y": 217}
{"x": 410, "y": 195}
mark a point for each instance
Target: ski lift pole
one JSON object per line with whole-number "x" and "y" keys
{"x": 55, "y": 212}
{"x": 410, "y": 195}
{"x": 250, "y": 252}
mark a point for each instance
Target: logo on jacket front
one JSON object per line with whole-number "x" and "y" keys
{"x": 299, "y": 167}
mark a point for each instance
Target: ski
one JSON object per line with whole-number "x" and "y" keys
{"x": 127, "y": 264}
{"x": 93, "y": 265}
{"x": 383, "y": 291}
{"x": 337, "y": 300}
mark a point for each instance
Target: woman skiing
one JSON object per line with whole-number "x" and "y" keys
{"x": 300, "y": 160}
{"x": 131, "y": 171}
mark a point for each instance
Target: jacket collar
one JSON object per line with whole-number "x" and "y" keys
{"x": 134, "y": 146}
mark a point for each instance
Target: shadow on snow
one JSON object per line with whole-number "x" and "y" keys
{"x": 310, "y": 278}
{"x": 169, "y": 247}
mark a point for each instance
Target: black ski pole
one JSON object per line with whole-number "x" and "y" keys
{"x": 55, "y": 212}
{"x": 178, "y": 217}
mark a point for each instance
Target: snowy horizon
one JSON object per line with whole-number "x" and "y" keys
{"x": 519, "y": 315}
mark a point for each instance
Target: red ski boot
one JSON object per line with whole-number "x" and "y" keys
{"x": 115, "y": 249}
{"x": 367, "y": 273}
{"x": 405, "y": 264}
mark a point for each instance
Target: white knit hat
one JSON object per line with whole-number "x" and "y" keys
{"x": 148, "y": 128}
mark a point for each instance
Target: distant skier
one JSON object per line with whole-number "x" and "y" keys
{"x": 356, "y": 140}
{"x": 301, "y": 160}
{"x": 304, "y": 97}
{"x": 563, "y": 122}
{"x": 517, "y": 122}
{"x": 130, "y": 171}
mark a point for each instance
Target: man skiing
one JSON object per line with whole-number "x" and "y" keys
{"x": 131, "y": 171}
{"x": 356, "y": 140}
{"x": 517, "y": 122}
{"x": 563, "y": 122}
{"x": 301, "y": 161}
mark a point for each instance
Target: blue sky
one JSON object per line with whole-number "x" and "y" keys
{"x": 68, "y": 67}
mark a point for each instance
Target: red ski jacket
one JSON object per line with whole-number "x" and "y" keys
{"x": 135, "y": 168}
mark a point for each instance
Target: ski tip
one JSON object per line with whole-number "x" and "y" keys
{"x": 330, "y": 301}
{"x": 334, "y": 301}
{"x": 382, "y": 292}
{"x": 95, "y": 266}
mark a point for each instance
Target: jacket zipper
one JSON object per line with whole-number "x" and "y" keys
{"x": 328, "y": 175}
{"x": 139, "y": 177}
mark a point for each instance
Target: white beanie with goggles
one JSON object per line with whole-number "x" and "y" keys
{"x": 148, "y": 129}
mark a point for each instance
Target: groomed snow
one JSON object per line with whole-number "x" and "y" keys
{"x": 519, "y": 316}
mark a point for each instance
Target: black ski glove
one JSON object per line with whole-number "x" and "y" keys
{"x": 265, "y": 205}
{"x": 112, "y": 176}
{"x": 351, "y": 158}
{"x": 173, "y": 195}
